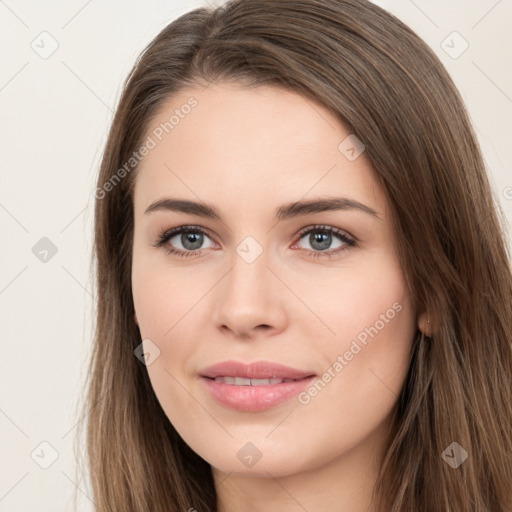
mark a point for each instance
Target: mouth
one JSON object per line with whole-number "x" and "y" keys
{"x": 242, "y": 381}
{"x": 255, "y": 371}
{"x": 254, "y": 387}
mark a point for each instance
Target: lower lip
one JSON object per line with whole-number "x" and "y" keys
{"x": 255, "y": 398}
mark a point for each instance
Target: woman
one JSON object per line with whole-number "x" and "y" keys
{"x": 304, "y": 290}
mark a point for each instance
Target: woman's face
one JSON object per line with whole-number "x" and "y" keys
{"x": 253, "y": 285}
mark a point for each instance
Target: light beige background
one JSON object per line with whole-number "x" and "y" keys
{"x": 54, "y": 116}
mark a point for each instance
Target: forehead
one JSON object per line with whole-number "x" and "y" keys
{"x": 234, "y": 142}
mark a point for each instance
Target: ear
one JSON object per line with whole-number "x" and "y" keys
{"x": 425, "y": 324}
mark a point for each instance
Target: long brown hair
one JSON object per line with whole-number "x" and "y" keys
{"x": 389, "y": 88}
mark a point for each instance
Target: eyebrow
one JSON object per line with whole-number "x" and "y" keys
{"x": 286, "y": 211}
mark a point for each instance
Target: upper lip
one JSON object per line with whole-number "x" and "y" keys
{"x": 255, "y": 370}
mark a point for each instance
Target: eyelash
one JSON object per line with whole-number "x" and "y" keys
{"x": 166, "y": 235}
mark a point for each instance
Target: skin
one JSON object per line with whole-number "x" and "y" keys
{"x": 248, "y": 151}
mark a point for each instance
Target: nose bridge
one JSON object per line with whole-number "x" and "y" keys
{"x": 249, "y": 295}
{"x": 249, "y": 275}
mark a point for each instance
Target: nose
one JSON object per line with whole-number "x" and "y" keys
{"x": 249, "y": 300}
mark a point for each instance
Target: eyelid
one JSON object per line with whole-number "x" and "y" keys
{"x": 165, "y": 235}
{"x": 326, "y": 227}
{"x": 187, "y": 227}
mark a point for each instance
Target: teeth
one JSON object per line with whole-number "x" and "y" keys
{"x": 265, "y": 382}
{"x": 242, "y": 381}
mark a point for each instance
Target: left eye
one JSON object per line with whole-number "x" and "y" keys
{"x": 320, "y": 239}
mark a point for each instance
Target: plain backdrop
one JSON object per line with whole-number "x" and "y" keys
{"x": 55, "y": 110}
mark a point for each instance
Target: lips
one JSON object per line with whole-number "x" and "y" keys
{"x": 256, "y": 370}
{"x": 254, "y": 387}
{"x": 242, "y": 381}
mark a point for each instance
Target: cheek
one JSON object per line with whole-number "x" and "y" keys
{"x": 365, "y": 299}
{"x": 168, "y": 301}
{"x": 364, "y": 365}
{"x": 375, "y": 305}
{"x": 164, "y": 300}
{"x": 368, "y": 359}
{"x": 163, "y": 295}
{"x": 372, "y": 325}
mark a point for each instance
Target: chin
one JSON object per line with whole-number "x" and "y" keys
{"x": 256, "y": 458}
